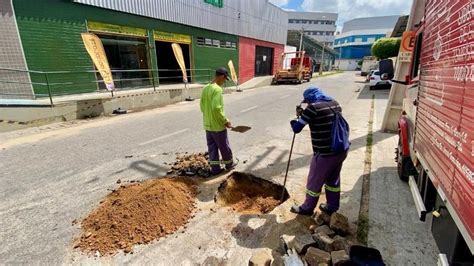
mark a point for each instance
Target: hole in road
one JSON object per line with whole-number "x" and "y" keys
{"x": 248, "y": 194}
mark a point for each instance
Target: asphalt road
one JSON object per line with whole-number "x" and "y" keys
{"x": 59, "y": 174}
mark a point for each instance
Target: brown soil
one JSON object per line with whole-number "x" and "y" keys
{"x": 248, "y": 194}
{"x": 195, "y": 164}
{"x": 137, "y": 214}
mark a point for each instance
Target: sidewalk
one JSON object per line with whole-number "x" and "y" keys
{"x": 394, "y": 227}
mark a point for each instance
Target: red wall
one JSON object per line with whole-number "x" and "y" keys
{"x": 247, "y": 57}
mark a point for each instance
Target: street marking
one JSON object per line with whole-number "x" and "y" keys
{"x": 164, "y": 137}
{"x": 249, "y": 109}
{"x": 285, "y": 96}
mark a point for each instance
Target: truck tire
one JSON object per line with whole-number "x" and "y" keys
{"x": 404, "y": 164}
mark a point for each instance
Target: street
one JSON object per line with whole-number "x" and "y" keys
{"x": 58, "y": 173}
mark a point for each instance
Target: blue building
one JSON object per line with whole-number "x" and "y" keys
{"x": 357, "y": 37}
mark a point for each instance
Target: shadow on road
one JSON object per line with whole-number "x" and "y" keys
{"x": 148, "y": 168}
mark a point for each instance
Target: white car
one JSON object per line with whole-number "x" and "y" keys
{"x": 376, "y": 81}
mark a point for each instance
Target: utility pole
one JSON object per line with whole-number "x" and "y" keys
{"x": 301, "y": 38}
{"x": 322, "y": 62}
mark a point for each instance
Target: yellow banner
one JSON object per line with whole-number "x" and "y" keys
{"x": 171, "y": 37}
{"x": 233, "y": 74}
{"x": 96, "y": 50}
{"x": 178, "y": 53}
{"x": 110, "y": 28}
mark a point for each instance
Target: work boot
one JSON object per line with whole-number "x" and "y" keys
{"x": 216, "y": 173}
{"x": 298, "y": 210}
{"x": 233, "y": 165}
{"x": 325, "y": 208}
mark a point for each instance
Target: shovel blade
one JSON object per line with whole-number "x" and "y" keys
{"x": 241, "y": 129}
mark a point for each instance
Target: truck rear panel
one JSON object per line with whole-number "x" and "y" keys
{"x": 444, "y": 133}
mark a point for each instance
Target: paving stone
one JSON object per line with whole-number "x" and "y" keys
{"x": 322, "y": 218}
{"x": 323, "y": 241}
{"x": 301, "y": 243}
{"x": 261, "y": 258}
{"x": 315, "y": 256}
{"x": 339, "y": 223}
{"x": 340, "y": 243}
{"x": 339, "y": 257}
{"x": 325, "y": 230}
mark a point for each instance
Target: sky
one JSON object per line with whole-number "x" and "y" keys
{"x": 349, "y": 9}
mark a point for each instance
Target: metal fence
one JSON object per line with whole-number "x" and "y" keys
{"x": 28, "y": 84}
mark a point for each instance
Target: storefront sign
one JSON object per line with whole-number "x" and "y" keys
{"x": 171, "y": 37}
{"x": 407, "y": 46}
{"x": 110, "y": 28}
{"x": 97, "y": 53}
{"x": 218, "y": 3}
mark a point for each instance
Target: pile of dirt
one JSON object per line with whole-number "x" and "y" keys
{"x": 248, "y": 194}
{"x": 137, "y": 214}
{"x": 194, "y": 164}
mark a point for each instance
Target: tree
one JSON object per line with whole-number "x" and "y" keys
{"x": 386, "y": 47}
{"x": 360, "y": 62}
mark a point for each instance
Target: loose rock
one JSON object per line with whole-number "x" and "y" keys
{"x": 339, "y": 243}
{"x": 323, "y": 218}
{"x": 323, "y": 241}
{"x": 339, "y": 257}
{"x": 261, "y": 258}
{"x": 339, "y": 223}
{"x": 315, "y": 256}
{"x": 301, "y": 243}
{"x": 325, "y": 230}
{"x": 195, "y": 164}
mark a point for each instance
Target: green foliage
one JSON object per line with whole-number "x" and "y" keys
{"x": 360, "y": 62}
{"x": 386, "y": 47}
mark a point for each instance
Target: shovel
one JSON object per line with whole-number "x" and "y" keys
{"x": 241, "y": 129}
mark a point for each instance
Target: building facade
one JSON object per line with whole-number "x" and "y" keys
{"x": 357, "y": 37}
{"x": 137, "y": 37}
{"x": 317, "y": 25}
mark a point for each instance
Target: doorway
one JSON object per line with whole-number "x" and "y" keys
{"x": 263, "y": 61}
{"x": 127, "y": 57}
{"x": 168, "y": 68}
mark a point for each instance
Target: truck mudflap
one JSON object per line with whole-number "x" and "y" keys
{"x": 419, "y": 204}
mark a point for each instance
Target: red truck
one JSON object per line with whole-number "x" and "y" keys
{"x": 436, "y": 129}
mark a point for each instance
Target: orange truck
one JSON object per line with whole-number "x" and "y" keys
{"x": 435, "y": 153}
{"x": 301, "y": 68}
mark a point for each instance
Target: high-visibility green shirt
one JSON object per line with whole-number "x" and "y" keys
{"x": 212, "y": 108}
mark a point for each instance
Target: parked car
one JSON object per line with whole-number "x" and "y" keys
{"x": 376, "y": 81}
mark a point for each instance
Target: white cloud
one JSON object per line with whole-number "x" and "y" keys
{"x": 350, "y": 9}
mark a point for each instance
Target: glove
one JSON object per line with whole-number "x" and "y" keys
{"x": 299, "y": 110}
{"x": 292, "y": 259}
{"x": 296, "y": 126}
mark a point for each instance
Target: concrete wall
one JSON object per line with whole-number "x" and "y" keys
{"x": 11, "y": 56}
{"x": 15, "y": 118}
{"x": 247, "y": 57}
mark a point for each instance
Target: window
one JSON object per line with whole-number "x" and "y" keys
{"x": 416, "y": 56}
{"x": 358, "y": 39}
{"x": 371, "y": 39}
{"x": 201, "y": 41}
{"x": 291, "y": 21}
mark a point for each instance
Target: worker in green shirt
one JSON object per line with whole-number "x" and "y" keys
{"x": 216, "y": 123}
